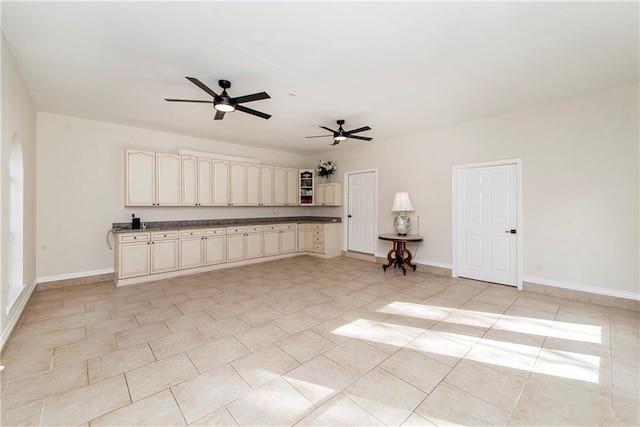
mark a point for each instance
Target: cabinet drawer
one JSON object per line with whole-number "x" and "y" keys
{"x": 164, "y": 235}
{"x": 317, "y": 227}
{"x": 190, "y": 233}
{"x": 285, "y": 227}
{"x": 270, "y": 227}
{"x": 254, "y": 229}
{"x": 304, "y": 227}
{"x": 235, "y": 230}
{"x": 133, "y": 237}
{"x": 318, "y": 248}
{"x": 215, "y": 231}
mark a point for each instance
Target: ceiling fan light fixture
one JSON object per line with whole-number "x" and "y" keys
{"x": 224, "y": 105}
{"x": 340, "y": 138}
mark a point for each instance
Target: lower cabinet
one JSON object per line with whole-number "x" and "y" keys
{"x": 164, "y": 252}
{"x": 148, "y": 253}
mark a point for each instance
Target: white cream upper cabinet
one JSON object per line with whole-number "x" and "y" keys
{"x": 220, "y": 182}
{"x": 253, "y": 184}
{"x": 329, "y": 194}
{"x": 238, "y": 184}
{"x": 189, "y": 181}
{"x": 279, "y": 186}
{"x": 266, "y": 185}
{"x": 140, "y": 177}
{"x": 205, "y": 181}
{"x": 168, "y": 179}
{"x": 293, "y": 187}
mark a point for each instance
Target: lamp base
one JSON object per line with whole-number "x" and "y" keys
{"x": 402, "y": 223}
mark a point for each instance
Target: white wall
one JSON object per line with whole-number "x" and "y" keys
{"x": 18, "y": 119}
{"x": 81, "y": 183}
{"x": 580, "y": 185}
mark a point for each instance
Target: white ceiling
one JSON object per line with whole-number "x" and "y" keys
{"x": 397, "y": 67}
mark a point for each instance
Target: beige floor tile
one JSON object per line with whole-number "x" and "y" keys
{"x": 261, "y": 336}
{"x": 141, "y": 334}
{"x": 112, "y": 326}
{"x": 159, "y": 409}
{"x": 208, "y": 392}
{"x": 145, "y": 295}
{"x": 83, "y": 319}
{"x": 449, "y": 405}
{"x": 259, "y": 315}
{"x": 169, "y": 300}
{"x": 86, "y": 403}
{"x": 217, "y": 329}
{"x": 221, "y": 417}
{"x": 274, "y": 404}
{"x": 157, "y": 376}
{"x": 157, "y": 315}
{"x": 324, "y": 311}
{"x": 447, "y": 348}
{"x": 217, "y": 353}
{"x": 129, "y": 309}
{"x": 340, "y": 411}
{"x": 533, "y": 415}
{"x": 356, "y": 356}
{"x": 83, "y": 350}
{"x": 415, "y": 420}
{"x": 389, "y": 337}
{"x": 264, "y": 365}
{"x": 296, "y": 322}
{"x": 416, "y": 369}
{"x": 26, "y": 416}
{"x": 385, "y": 396}
{"x": 305, "y": 345}
{"x": 22, "y": 365}
{"x": 488, "y": 384}
{"x": 320, "y": 379}
{"x": 204, "y": 303}
{"x": 338, "y": 330}
{"x": 53, "y": 339}
{"x": 177, "y": 342}
{"x": 37, "y": 387}
{"x": 187, "y": 321}
{"x": 118, "y": 362}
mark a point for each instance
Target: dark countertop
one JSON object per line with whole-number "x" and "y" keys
{"x": 125, "y": 227}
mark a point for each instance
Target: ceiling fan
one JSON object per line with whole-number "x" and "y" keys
{"x": 341, "y": 134}
{"x": 223, "y": 103}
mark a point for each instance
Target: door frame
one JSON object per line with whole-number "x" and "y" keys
{"x": 455, "y": 229}
{"x": 345, "y": 211}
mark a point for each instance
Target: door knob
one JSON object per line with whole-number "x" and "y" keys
{"x": 512, "y": 231}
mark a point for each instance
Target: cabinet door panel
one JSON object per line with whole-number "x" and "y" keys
{"x": 238, "y": 183}
{"x": 168, "y": 179}
{"x": 266, "y": 185}
{"x": 164, "y": 256}
{"x": 271, "y": 243}
{"x": 215, "y": 250}
{"x": 253, "y": 184}
{"x": 191, "y": 253}
{"x": 254, "y": 245}
{"x": 293, "y": 187}
{"x": 205, "y": 179}
{"x": 140, "y": 171}
{"x": 189, "y": 181}
{"x": 134, "y": 260}
{"x": 288, "y": 240}
{"x": 320, "y": 194}
{"x": 279, "y": 185}
{"x": 220, "y": 183}
{"x": 235, "y": 247}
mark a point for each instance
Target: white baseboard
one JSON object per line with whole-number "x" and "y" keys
{"x": 67, "y": 276}
{"x": 582, "y": 288}
{"x": 15, "y": 312}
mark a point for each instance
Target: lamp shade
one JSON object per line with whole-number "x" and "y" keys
{"x": 401, "y": 203}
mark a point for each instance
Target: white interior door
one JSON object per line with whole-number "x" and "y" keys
{"x": 361, "y": 212}
{"x": 487, "y": 239}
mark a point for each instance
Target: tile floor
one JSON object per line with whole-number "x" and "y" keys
{"x": 305, "y": 341}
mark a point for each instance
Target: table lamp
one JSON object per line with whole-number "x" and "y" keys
{"x": 402, "y": 205}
